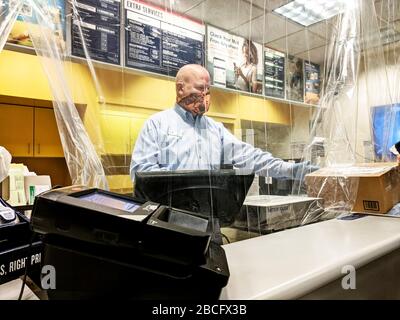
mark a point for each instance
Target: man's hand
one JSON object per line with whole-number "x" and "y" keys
{"x": 299, "y": 170}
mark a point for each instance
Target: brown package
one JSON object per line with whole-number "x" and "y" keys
{"x": 364, "y": 187}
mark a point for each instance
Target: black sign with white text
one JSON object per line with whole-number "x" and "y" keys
{"x": 99, "y": 22}
{"x": 274, "y": 73}
{"x": 13, "y": 262}
{"x": 160, "y": 41}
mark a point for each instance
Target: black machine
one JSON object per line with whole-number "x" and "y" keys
{"x": 218, "y": 193}
{"x": 105, "y": 245}
{"x": 20, "y": 249}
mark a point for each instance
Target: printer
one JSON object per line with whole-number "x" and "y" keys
{"x": 20, "y": 249}
{"x": 105, "y": 245}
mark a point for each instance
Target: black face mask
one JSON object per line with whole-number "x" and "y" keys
{"x": 194, "y": 98}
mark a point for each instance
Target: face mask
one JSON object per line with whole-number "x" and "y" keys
{"x": 5, "y": 160}
{"x": 195, "y": 99}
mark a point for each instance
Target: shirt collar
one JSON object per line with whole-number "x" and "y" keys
{"x": 185, "y": 115}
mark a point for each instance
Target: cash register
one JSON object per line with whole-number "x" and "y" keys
{"x": 105, "y": 245}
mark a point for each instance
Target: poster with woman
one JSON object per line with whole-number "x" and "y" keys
{"x": 234, "y": 62}
{"x": 294, "y": 79}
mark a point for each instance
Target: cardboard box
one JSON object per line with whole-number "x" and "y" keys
{"x": 5, "y": 189}
{"x": 364, "y": 187}
{"x": 15, "y": 185}
{"x": 268, "y": 213}
{"x": 40, "y": 184}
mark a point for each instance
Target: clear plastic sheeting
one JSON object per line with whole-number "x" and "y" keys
{"x": 5, "y": 160}
{"x": 8, "y": 15}
{"x": 360, "y": 65}
{"x": 83, "y": 163}
{"x": 114, "y": 68}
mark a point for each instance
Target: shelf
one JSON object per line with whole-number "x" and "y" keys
{"x": 19, "y": 48}
{"x": 128, "y": 70}
{"x": 284, "y": 101}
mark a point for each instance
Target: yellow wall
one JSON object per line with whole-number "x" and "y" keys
{"x": 125, "y": 95}
{"x": 23, "y": 81}
{"x": 21, "y": 75}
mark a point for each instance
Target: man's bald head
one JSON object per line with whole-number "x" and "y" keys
{"x": 192, "y": 88}
{"x": 192, "y": 71}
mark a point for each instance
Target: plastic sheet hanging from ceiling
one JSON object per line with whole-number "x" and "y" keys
{"x": 351, "y": 131}
{"x": 105, "y": 90}
{"x": 46, "y": 34}
{"x": 357, "y": 122}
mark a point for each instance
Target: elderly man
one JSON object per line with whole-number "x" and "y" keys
{"x": 183, "y": 138}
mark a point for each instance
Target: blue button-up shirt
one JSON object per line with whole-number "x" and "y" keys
{"x": 176, "y": 140}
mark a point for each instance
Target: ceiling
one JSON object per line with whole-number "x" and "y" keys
{"x": 254, "y": 19}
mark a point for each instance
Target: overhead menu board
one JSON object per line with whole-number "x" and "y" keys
{"x": 99, "y": 24}
{"x": 274, "y": 73}
{"x": 294, "y": 79}
{"x": 313, "y": 84}
{"x": 161, "y": 41}
{"x": 234, "y": 62}
{"x": 27, "y": 20}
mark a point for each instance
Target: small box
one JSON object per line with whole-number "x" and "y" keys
{"x": 364, "y": 187}
{"x": 268, "y": 213}
{"x": 35, "y": 185}
{"x": 5, "y": 189}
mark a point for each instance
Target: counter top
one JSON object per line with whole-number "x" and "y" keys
{"x": 291, "y": 263}
{"x": 11, "y": 290}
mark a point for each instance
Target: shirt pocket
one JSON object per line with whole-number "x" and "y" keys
{"x": 170, "y": 137}
{"x": 170, "y": 146}
{"x": 173, "y": 137}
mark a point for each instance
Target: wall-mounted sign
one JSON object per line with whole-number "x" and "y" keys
{"x": 96, "y": 23}
{"x": 28, "y": 21}
{"x": 312, "y": 88}
{"x": 160, "y": 41}
{"x": 274, "y": 73}
{"x": 294, "y": 79}
{"x": 234, "y": 62}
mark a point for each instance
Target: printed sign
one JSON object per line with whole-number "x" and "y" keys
{"x": 313, "y": 84}
{"x": 294, "y": 79}
{"x": 27, "y": 20}
{"x": 234, "y": 62}
{"x": 274, "y": 73}
{"x": 160, "y": 41}
{"x": 96, "y": 25}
